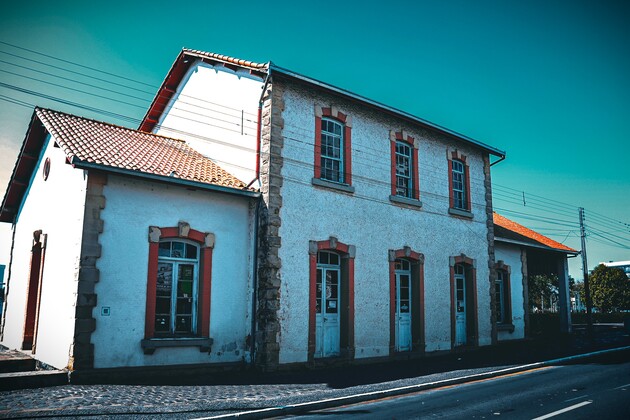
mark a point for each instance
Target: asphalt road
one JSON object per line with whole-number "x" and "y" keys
{"x": 600, "y": 389}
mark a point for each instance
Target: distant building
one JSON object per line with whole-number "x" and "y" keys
{"x": 624, "y": 265}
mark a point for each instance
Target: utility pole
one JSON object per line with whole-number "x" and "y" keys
{"x": 587, "y": 292}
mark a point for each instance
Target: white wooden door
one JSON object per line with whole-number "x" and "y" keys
{"x": 403, "y": 311}
{"x": 327, "y": 312}
{"x": 460, "y": 309}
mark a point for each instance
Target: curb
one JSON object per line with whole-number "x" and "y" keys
{"x": 369, "y": 396}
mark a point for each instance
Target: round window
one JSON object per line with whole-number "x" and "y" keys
{"x": 46, "y": 169}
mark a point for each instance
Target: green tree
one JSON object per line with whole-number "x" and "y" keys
{"x": 610, "y": 289}
{"x": 542, "y": 287}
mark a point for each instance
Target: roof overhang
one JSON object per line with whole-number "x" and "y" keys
{"x": 27, "y": 161}
{"x": 176, "y": 74}
{"x": 77, "y": 163}
{"x": 186, "y": 58}
{"x": 536, "y": 246}
{"x": 274, "y": 69}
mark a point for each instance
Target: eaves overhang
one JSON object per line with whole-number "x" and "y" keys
{"x": 382, "y": 107}
{"x": 77, "y": 163}
{"x": 26, "y": 163}
{"x": 180, "y": 67}
{"x": 537, "y": 246}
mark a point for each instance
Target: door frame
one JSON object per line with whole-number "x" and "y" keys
{"x": 34, "y": 292}
{"x": 417, "y": 298}
{"x": 346, "y": 289}
{"x": 472, "y": 314}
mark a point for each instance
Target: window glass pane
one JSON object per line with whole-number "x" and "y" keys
{"x": 318, "y": 291}
{"x": 185, "y": 280}
{"x": 162, "y": 323}
{"x": 164, "y": 249}
{"x": 183, "y": 324}
{"x": 178, "y": 250}
{"x": 164, "y": 279}
{"x": 191, "y": 251}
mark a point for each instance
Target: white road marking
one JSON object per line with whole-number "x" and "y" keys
{"x": 564, "y": 410}
{"x": 623, "y": 386}
{"x": 576, "y": 398}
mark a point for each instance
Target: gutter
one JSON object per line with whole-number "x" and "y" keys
{"x": 398, "y": 112}
{"x": 77, "y": 163}
{"x": 501, "y": 158}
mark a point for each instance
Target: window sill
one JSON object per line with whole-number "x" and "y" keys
{"x": 149, "y": 345}
{"x": 333, "y": 185}
{"x": 506, "y": 327}
{"x": 396, "y": 199}
{"x": 460, "y": 213}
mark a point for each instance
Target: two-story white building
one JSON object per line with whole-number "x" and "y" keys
{"x": 375, "y": 229}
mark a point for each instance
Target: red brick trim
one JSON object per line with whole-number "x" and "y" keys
{"x": 471, "y": 270}
{"x": 417, "y": 300}
{"x": 346, "y": 121}
{"x": 404, "y": 137}
{"x": 347, "y": 253}
{"x": 456, "y": 155}
{"x": 206, "y": 242}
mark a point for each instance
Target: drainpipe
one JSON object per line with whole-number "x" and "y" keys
{"x": 259, "y": 130}
{"x": 255, "y": 284}
{"x": 259, "y": 203}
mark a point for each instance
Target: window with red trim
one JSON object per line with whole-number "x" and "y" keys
{"x": 459, "y": 184}
{"x": 333, "y": 137}
{"x": 178, "y": 288}
{"x": 404, "y": 156}
{"x": 503, "y": 308}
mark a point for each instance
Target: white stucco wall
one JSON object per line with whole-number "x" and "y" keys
{"x": 131, "y": 207}
{"x": 511, "y": 255}
{"x": 55, "y": 206}
{"x": 368, "y": 220}
{"x": 215, "y": 111}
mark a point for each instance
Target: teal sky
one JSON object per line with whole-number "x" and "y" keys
{"x": 546, "y": 81}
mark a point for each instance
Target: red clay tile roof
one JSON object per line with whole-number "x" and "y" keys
{"x": 226, "y": 59}
{"x": 529, "y": 234}
{"x": 113, "y": 146}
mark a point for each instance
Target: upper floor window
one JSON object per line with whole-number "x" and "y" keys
{"x": 459, "y": 185}
{"x": 404, "y": 170}
{"x": 333, "y": 140}
{"x": 332, "y": 151}
{"x": 458, "y": 174}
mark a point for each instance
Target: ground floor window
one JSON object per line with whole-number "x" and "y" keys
{"x": 502, "y": 295}
{"x": 178, "y": 287}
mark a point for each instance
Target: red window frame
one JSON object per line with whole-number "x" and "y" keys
{"x": 347, "y": 252}
{"x": 346, "y": 121}
{"x": 507, "y": 293}
{"x": 405, "y": 138}
{"x": 416, "y": 258}
{"x": 471, "y": 270}
{"x": 206, "y": 244}
{"x": 462, "y": 158}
